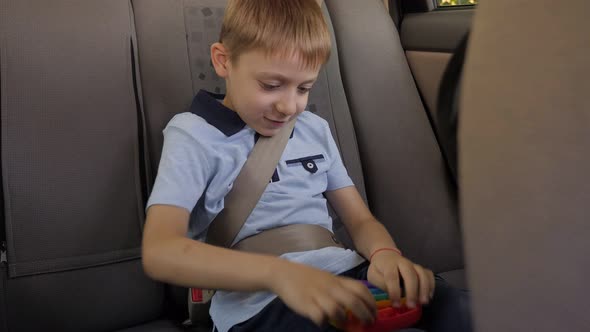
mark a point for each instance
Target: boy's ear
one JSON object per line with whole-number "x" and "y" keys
{"x": 220, "y": 59}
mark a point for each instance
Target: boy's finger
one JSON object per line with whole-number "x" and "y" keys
{"x": 359, "y": 300}
{"x": 363, "y": 313}
{"x": 331, "y": 308}
{"x": 393, "y": 286}
{"x": 424, "y": 284}
{"x": 366, "y": 297}
{"x": 410, "y": 283}
{"x": 316, "y": 315}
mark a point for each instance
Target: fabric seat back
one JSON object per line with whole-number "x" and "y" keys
{"x": 408, "y": 184}
{"x": 71, "y": 150}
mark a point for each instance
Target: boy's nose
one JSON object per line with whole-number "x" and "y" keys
{"x": 287, "y": 107}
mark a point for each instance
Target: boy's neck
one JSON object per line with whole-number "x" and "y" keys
{"x": 227, "y": 103}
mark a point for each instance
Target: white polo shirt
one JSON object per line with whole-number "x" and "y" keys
{"x": 205, "y": 149}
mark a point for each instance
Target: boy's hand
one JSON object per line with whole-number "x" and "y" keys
{"x": 321, "y": 296}
{"x": 385, "y": 270}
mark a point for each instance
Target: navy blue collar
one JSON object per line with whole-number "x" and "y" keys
{"x": 207, "y": 105}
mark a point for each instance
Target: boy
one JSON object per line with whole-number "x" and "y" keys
{"x": 270, "y": 53}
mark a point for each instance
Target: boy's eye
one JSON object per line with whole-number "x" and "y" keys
{"x": 303, "y": 89}
{"x": 269, "y": 87}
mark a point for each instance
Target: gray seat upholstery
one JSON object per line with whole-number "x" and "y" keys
{"x": 406, "y": 178}
{"x": 70, "y": 166}
{"x": 76, "y": 174}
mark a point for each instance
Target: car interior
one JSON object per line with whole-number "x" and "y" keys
{"x": 87, "y": 87}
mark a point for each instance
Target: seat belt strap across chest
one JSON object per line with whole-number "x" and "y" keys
{"x": 248, "y": 187}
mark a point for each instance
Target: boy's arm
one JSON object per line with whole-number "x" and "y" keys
{"x": 369, "y": 235}
{"x": 169, "y": 256}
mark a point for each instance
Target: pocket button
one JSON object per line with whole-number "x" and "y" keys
{"x": 310, "y": 166}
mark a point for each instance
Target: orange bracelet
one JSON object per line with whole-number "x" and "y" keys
{"x": 382, "y": 249}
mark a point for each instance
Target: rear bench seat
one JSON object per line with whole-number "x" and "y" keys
{"x": 77, "y": 169}
{"x": 72, "y": 190}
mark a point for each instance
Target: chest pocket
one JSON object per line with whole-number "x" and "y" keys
{"x": 302, "y": 177}
{"x": 309, "y": 163}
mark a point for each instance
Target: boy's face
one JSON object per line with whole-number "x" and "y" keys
{"x": 267, "y": 91}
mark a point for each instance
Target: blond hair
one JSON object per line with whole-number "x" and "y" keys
{"x": 277, "y": 27}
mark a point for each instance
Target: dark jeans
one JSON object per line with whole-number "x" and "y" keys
{"x": 447, "y": 311}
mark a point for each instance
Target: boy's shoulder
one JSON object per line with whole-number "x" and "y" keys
{"x": 194, "y": 126}
{"x": 186, "y": 120}
{"x": 313, "y": 121}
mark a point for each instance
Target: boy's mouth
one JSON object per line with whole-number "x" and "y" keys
{"x": 276, "y": 123}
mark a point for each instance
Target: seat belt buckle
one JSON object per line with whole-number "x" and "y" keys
{"x": 199, "y": 301}
{"x": 199, "y": 295}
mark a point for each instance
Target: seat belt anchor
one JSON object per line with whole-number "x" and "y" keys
{"x": 3, "y": 258}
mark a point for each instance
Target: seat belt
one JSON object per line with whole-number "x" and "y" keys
{"x": 290, "y": 238}
{"x": 239, "y": 203}
{"x": 248, "y": 187}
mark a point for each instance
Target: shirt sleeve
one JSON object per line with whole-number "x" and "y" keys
{"x": 337, "y": 173}
{"x": 183, "y": 171}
